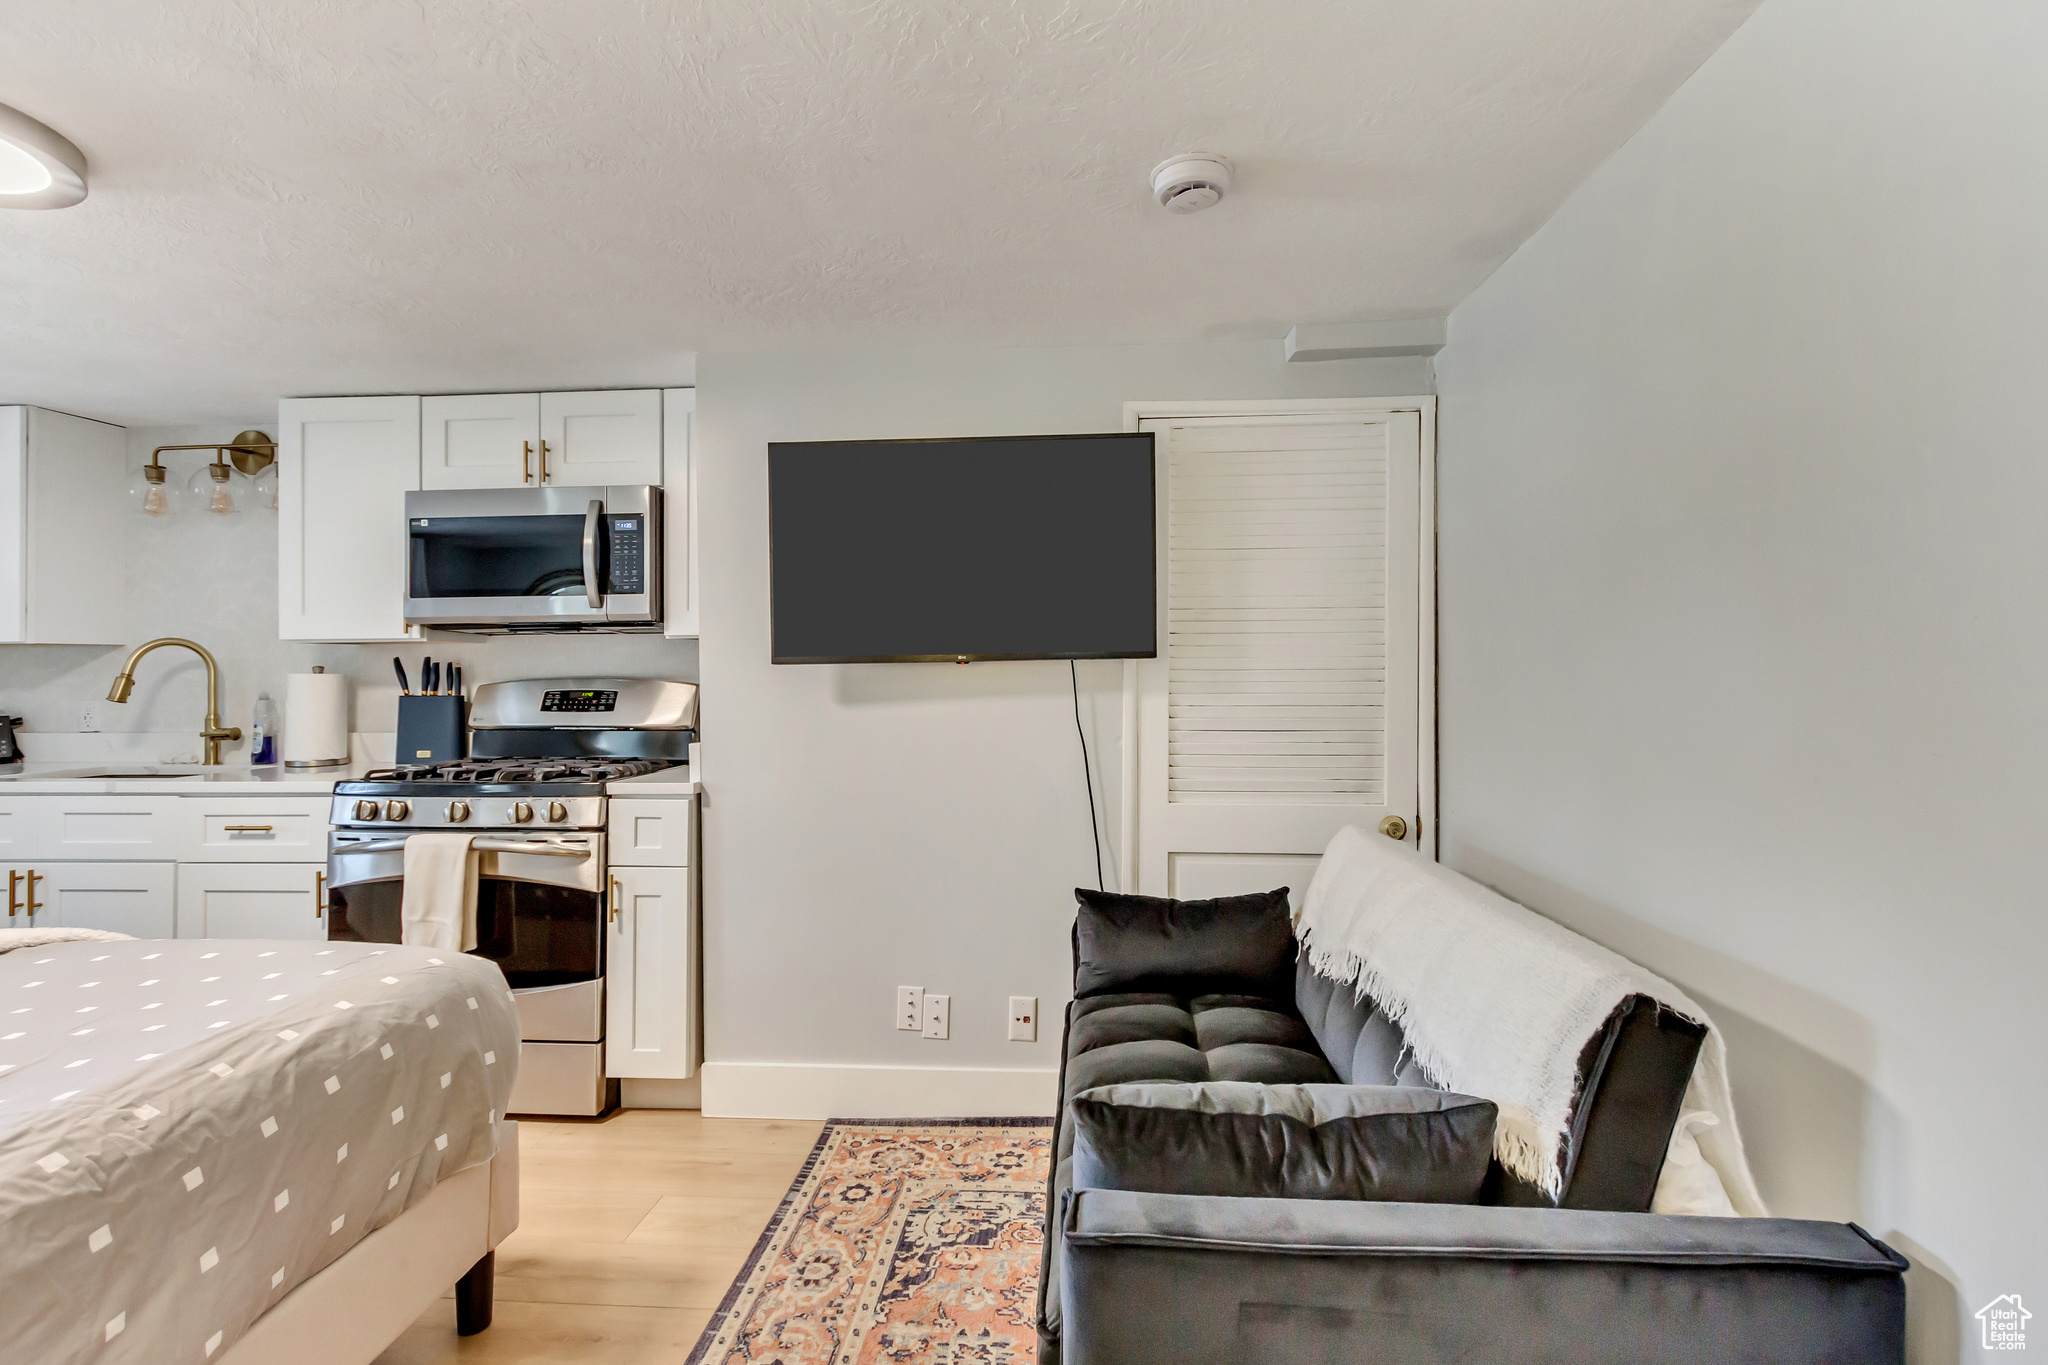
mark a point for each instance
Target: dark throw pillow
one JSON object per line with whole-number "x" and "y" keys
{"x": 1232, "y": 942}
{"x": 1248, "y": 1140}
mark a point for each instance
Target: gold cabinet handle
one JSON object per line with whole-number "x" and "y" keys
{"x": 33, "y": 904}
{"x": 543, "y": 461}
{"x": 13, "y": 900}
{"x": 319, "y": 894}
{"x": 1394, "y": 827}
{"x": 615, "y": 900}
{"x": 526, "y": 462}
{"x": 247, "y": 829}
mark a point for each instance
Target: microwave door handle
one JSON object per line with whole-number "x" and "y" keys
{"x": 593, "y": 586}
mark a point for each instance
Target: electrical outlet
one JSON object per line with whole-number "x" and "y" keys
{"x": 910, "y": 1008}
{"x": 1023, "y": 1018}
{"x": 938, "y": 1016}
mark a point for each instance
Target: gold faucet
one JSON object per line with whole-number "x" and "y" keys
{"x": 213, "y": 734}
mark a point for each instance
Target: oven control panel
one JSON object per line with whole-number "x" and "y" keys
{"x": 587, "y": 699}
{"x": 468, "y": 812}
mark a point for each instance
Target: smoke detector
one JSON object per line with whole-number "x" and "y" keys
{"x": 1191, "y": 182}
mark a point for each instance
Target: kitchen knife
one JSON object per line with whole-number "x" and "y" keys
{"x": 404, "y": 684}
{"x": 456, "y": 686}
{"x": 427, "y": 676}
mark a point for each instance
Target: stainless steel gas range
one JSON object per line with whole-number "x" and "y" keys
{"x": 534, "y": 793}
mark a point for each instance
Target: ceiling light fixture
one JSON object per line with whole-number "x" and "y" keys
{"x": 39, "y": 168}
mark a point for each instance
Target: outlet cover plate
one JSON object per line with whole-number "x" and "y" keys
{"x": 910, "y": 1008}
{"x": 1023, "y": 1018}
{"x": 938, "y": 1016}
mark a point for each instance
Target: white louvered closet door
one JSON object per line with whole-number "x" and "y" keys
{"x": 1286, "y": 703}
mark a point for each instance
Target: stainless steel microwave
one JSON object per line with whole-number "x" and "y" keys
{"x": 507, "y": 560}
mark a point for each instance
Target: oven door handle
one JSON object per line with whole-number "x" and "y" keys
{"x": 480, "y": 845}
{"x": 593, "y": 587}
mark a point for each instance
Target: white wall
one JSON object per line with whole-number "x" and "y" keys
{"x": 1744, "y": 569}
{"x": 214, "y": 580}
{"x": 876, "y": 825}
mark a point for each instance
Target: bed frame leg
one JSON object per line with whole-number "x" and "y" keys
{"x": 473, "y": 1297}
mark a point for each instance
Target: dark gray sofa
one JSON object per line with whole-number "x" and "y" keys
{"x": 1586, "y": 1276}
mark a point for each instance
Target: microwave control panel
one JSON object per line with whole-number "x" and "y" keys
{"x": 627, "y": 574}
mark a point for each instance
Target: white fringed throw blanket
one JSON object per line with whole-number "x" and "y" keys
{"x": 1496, "y": 1000}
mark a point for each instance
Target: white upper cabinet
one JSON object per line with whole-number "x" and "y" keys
{"x": 611, "y": 436}
{"x": 481, "y": 440}
{"x": 346, "y": 464}
{"x": 679, "y": 508}
{"x": 63, "y": 488}
{"x": 344, "y": 468}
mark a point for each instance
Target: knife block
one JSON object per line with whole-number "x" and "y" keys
{"x": 431, "y": 729}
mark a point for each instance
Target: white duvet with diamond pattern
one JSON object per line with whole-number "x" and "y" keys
{"x": 191, "y": 1128}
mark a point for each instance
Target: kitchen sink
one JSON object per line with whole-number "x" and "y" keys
{"x": 112, "y": 773}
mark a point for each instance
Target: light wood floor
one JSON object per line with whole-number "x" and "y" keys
{"x": 631, "y": 1229}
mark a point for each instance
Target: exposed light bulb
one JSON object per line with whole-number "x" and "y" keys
{"x": 219, "y": 501}
{"x": 154, "y": 503}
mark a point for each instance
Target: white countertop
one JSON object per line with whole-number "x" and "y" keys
{"x": 680, "y": 780}
{"x": 191, "y": 779}
{"x": 179, "y": 779}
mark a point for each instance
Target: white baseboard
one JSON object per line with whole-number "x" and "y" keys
{"x": 794, "y": 1090}
{"x": 661, "y": 1094}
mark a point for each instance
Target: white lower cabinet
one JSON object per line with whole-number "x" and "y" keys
{"x": 132, "y": 898}
{"x": 252, "y": 900}
{"x": 651, "y": 974}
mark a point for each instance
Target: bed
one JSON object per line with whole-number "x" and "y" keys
{"x": 240, "y": 1151}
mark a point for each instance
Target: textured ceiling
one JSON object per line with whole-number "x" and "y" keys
{"x": 310, "y": 196}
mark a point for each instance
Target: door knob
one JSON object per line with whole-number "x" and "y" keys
{"x": 1394, "y": 827}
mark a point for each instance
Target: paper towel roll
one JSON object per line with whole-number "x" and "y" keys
{"x": 315, "y": 720}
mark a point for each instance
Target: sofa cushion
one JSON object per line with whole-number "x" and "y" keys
{"x": 1265, "y": 1141}
{"x": 1159, "y": 1036}
{"x": 1121, "y": 1037}
{"x": 1243, "y": 943}
{"x": 1632, "y": 1079}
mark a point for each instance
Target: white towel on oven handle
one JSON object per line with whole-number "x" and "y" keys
{"x": 438, "y": 909}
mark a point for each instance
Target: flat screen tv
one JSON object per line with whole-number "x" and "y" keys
{"x": 1016, "y": 547}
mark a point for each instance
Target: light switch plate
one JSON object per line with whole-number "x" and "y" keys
{"x": 910, "y": 1008}
{"x": 938, "y": 1016}
{"x": 1023, "y": 1018}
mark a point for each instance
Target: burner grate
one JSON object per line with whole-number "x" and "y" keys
{"x": 508, "y": 770}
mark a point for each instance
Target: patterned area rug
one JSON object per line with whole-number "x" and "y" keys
{"x": 902, "y": 1240}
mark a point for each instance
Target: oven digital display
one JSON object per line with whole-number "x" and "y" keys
{"x": 579, "y": 701}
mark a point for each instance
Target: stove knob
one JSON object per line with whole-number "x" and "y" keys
{"x": 396, "y": 810}
{"x": 366, "y": 810}
{"x": 557, "y": 812}
{"x": 521, "y": 812}
{"x": 458, "y": 811}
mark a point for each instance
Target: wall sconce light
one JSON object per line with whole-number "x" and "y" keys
{"x": 252, "y": 453}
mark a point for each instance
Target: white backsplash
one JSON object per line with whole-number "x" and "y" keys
{"x": 214, "y": 580}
